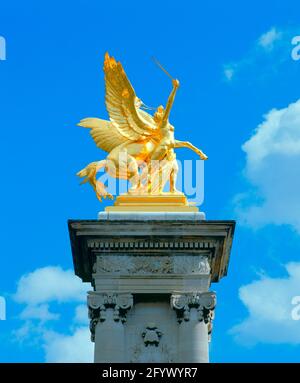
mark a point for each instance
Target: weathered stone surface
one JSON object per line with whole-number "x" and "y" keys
{"x": 151, "y": 264}
{"x": 151, "y": 278}
{"x": 163, "y": 238}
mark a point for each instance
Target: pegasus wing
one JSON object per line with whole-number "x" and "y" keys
{"x": 120, "y": 103}
{"x": 104, "y": 133}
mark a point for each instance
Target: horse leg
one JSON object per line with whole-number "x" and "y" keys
{"x": 133, "y": 174}
{"x": 173, "y": 177}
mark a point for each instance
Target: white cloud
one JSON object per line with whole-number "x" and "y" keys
{"x": 229, "y": 72}
{"x": 267, "y": 53}
{"x": 273, "y": 171}
{"x": 50, "y": 283}
{"x": 40, "y": 312}
{"x": 269, "y": 305}
{"x": 25, "y": 332}
{"x": 39, "y": 290}
{"x": 69, "y": 348}
{"x": 81, "y": 314}
{"x": 268, "y": 39}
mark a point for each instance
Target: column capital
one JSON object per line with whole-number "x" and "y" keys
{"x": 204, "y": 303}
{"x": 99, "y": 303}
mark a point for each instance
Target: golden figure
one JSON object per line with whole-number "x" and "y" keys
{"x": 140, "y": 146}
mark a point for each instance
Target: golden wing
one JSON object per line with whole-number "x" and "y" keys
{"x": 120, "y": 103}
{"x": 104, "y": 133}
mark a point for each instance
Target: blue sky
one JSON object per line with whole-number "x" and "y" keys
{"x": 238, "y": 101}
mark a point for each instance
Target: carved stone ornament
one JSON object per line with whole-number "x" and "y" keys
{"x": 149, "y": 264}
{"x": 99, "y": 303}
{"x": 152, "y": 349}
{"x": 151, "y": 335}
{"x": 204, "y": 303}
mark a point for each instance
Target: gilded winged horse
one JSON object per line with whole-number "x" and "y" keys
{"x": 140, "y": 146}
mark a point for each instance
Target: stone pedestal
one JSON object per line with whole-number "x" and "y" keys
{"x": 151, "y": 274}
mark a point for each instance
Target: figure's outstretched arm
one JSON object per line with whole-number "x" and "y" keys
{"x": 186, "y": 144}
{"x": 170, "y": 101}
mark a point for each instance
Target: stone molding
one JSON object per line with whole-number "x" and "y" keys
{"x": 148, "y": 244}
{"x": 91, "y": 239}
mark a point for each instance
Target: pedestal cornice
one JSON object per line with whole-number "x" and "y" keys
{"x": 93, "y": 238}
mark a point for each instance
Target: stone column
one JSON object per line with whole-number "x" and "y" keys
{"x": 152, "y": 257}
{"x": 195, "y": 313}
{"x": 107, "y": 313}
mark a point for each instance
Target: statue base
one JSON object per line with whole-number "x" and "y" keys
{"x": 163, "y": 202}
{"x": 151, "y": 298}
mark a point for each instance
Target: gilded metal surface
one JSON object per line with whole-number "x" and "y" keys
{"x": 140, "y": 146}
{"x": 163, "y": 202}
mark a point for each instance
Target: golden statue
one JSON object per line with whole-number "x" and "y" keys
{"x": 140, "y": 146}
